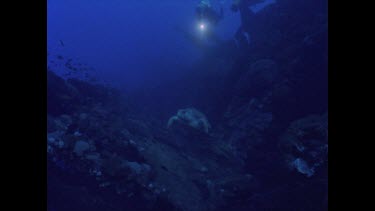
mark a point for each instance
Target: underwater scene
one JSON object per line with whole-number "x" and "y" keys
{"x": 187, "y": 105}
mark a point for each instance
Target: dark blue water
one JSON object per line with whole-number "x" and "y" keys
{"x": 130, "y": 43}
{"x": 150, "y": 108}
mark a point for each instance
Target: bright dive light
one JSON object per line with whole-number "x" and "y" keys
{"x": 202, "y": 26}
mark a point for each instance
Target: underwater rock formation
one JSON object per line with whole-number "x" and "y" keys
{"x": 191, "y": 117}
{"x": 120, "y": 155}
{"x": 245, "y": 124}
{"x": 125, "y": 162}
{"x": 305, "y": 144}
{"x": 261, "y": 76}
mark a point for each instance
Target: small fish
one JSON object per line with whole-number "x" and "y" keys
{"x": 62, "y": 43}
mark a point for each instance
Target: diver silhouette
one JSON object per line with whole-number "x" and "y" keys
{"x": 208, "y": 18}
{"x": 242, "y": 35}
{"x": 206, "y": 13}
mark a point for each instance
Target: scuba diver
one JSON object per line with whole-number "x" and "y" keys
{"x": 243, "y": 33}
{"x": 206, "y": 14}
{"x": 208, "y": 18}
